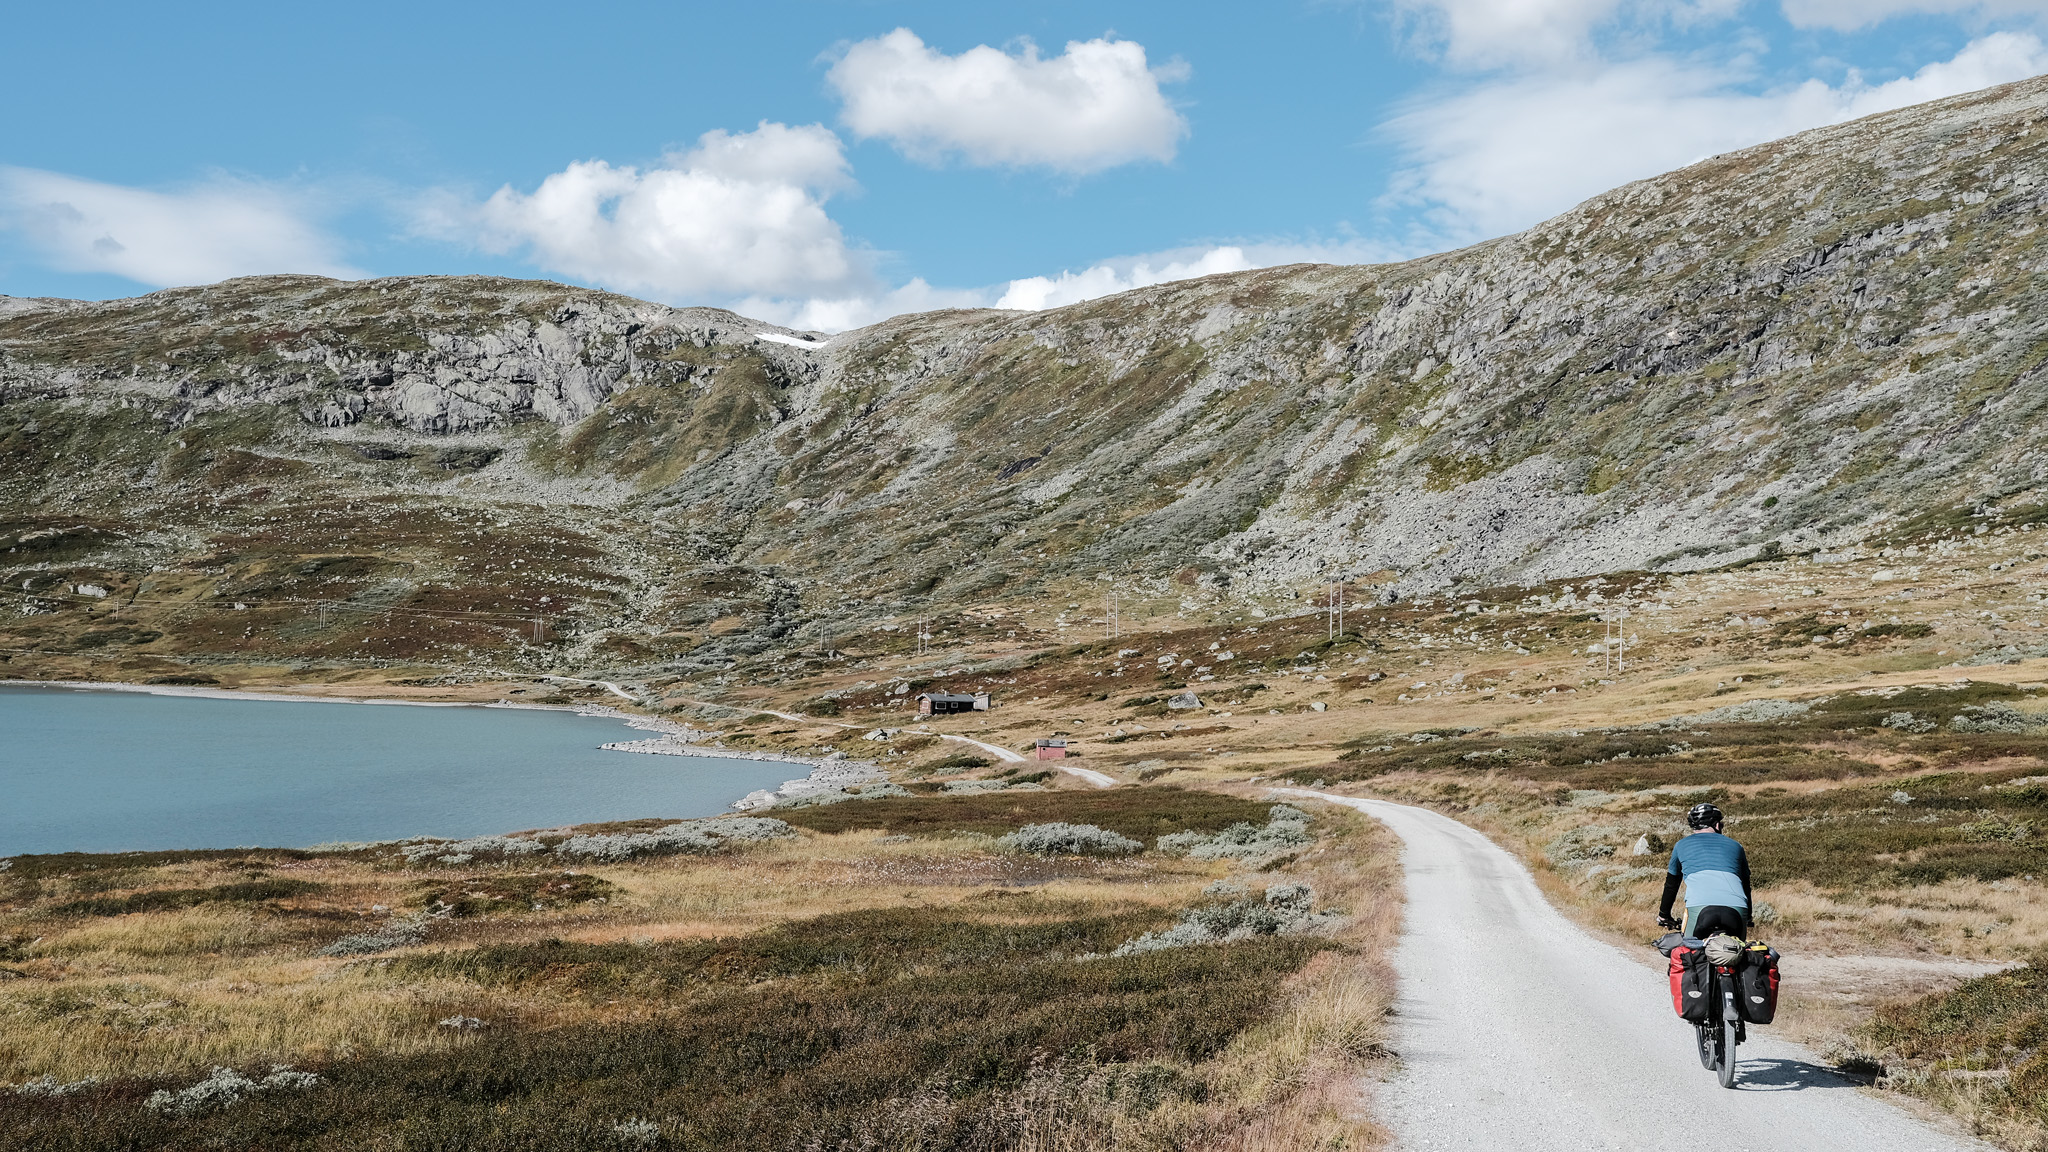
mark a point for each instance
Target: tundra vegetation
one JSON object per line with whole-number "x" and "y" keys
{"x": 1720, "y": 486}
{"x": 910, "y": 981}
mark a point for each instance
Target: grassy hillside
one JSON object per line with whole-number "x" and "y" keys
{"x": 1830, "y": 339}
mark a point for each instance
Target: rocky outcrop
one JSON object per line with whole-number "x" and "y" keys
{"x": 1812, "y": 342}
{"x": 434, "y": 355}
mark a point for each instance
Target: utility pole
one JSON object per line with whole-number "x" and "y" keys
{"x": 1334, "y": 614}
{"x": 1116, "y": 631}
{"x": 1614, "y": 646}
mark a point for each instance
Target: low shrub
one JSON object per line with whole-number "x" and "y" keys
{"x": 49, "y": 1087}
{"x": 226, "y": 1088}
{"x": 455, "y": 853}
{"x": 1996, "y": 716}
{"x": 698, "y": 837}
{"x": 1285, "y": 830}
{"x": 1063, "y": 839}
{"x": 398, "y": 932}
{"x": 495, "y": 894}
{"x": 1286, "y": 908}
{"x": 973, "y": 787}
{"x": 170, "y": 899}
{"x": 1140, "y": 813}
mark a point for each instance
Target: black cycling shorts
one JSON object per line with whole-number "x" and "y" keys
{"x": 1718, "y": 918}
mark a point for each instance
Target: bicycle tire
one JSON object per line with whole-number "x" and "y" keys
{"x": 1703, "y": 1036}
{"x": 1726, "y": 1072}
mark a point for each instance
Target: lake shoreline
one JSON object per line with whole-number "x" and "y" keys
{"x": 665, "y": 737}
{"x": 281, "y": 697}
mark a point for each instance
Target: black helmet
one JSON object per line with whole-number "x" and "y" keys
{"x": 1702, "y": 816}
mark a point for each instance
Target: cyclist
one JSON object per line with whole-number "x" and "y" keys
{"x": 1715, "y": 871}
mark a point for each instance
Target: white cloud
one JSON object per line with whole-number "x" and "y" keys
{"x": 1095, "y": 107}
{"x": 1032, "y": 293}
{"x": 211, "y": 232}
{"x": 740, "y": 220}
{"x": 1487, "y": 32}
{"x": 858, "y": 309}
{"x": 1036, "y": 292}
{"x": 1850, "y": 15}
{"x": 1510, "y": 152}
{"x": 1495, "y": 33}
{"x": 738, "y": 215}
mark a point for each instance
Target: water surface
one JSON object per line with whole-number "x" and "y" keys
{"x": 101, "y": 771}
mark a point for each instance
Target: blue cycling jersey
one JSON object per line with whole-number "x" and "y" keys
{"x": 1714, "y": 868}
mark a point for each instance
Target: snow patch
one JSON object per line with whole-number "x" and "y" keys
{"x": 792, "y": 341}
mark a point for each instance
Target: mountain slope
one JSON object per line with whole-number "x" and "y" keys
{"x": 1826, "y": 339}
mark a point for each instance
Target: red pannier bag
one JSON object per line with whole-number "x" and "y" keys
{"x": 1756, "y": 983}
{"x": 1690, "y": 977}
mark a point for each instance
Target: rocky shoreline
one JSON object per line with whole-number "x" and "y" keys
{"x": 832, "y": 772}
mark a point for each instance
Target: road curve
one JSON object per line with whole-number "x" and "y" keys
{"x": 1518, "y": 1030}
{"x": 1099, "y": 779}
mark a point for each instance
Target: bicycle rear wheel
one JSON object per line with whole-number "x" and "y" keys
{"x": 1726, "y": 1071}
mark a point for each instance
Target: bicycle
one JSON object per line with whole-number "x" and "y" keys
{"x": 1718, "y": 1038}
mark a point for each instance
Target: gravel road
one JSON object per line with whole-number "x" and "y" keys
{"x": 1518, "y": 1030}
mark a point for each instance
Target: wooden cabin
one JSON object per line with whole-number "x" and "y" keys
{"x": 947, "y": 703}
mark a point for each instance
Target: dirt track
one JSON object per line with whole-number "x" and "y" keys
{"x": 1519, "y": 1030}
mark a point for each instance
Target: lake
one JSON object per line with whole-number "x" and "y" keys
{"x": 106, "y": 771}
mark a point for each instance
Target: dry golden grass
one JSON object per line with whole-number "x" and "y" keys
{"x": 163, "y": 993}
{"x": 1296, "y": 1082}
{"x": 157, "y": 992}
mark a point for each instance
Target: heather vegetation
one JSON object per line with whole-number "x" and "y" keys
{"x": 1981, "y": 1049}
{"x": 792, "y": 989}
{"x": 1142, "y": 815}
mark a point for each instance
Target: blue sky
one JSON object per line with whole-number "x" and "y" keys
{"x": 866, "y": 158}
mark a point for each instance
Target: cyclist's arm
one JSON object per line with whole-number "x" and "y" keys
{"x": 1672, "y": 876}
{"x": 1748, "y": 900}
